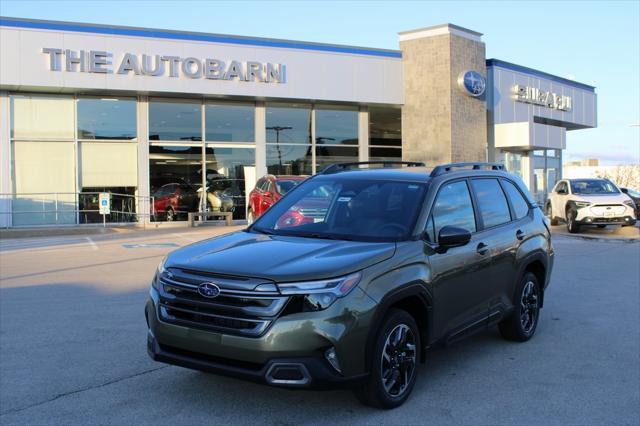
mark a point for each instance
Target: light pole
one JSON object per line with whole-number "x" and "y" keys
{"x": 278, "y": 129}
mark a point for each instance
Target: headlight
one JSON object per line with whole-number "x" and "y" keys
{"x": 630, "y": 203}
{"x": 159, "y": 271}
{"x": 321, "y": 294}
{"x": 581, "y": 204}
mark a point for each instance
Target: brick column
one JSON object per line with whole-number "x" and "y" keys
{"x": 441, "y": 123}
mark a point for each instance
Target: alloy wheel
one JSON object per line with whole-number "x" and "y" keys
{"x": 398, "y": 360}
{"x": 529, "y": 307}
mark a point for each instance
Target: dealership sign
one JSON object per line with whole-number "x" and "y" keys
{"x": 531, "y": 95}
{"x": 102, "y": 62}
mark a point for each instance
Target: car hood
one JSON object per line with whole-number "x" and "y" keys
{"x": 602, "y": 199}
{"x": 279, "y": 258}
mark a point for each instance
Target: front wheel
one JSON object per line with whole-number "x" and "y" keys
{"x": 522, "y": 323}
{"x": 393, "y": 367}
{"x": 553, "y": 221}
{"x": 572, "y": 226}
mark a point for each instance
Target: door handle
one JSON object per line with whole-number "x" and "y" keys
{"x": 520, "y": 235}
{"x": 482, "y": 249}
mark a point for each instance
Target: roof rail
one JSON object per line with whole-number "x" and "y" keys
{"x": 445, "y": 168}
{"x": 337, "y": 167}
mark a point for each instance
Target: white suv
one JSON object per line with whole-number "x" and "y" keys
{"x": 589, "y": 202}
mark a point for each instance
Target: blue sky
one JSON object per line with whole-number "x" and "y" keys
{"x": 597, "y": 43}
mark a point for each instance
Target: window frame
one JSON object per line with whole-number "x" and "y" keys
{"x": 512, "y": 209}
{"x": 435, "y": 198}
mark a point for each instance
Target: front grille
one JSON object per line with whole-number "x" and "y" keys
{"x": 608, "y": 210}
{"x": 238, "y": 309}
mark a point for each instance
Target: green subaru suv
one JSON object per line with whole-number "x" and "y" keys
{"x": 353, "y": 275}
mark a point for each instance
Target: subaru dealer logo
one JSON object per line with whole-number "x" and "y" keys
{"x": 209, "y": 290}
{"x": 472, "y": 83}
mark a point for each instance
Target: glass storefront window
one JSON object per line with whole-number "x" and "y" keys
{"x": 384, "y": 153}
{"x": 288, "y": 123}
{"x": 513, "y": 163}
{"x": 123, "y": 205}
{"x": 227, "y": 187}
{"x": 175, "y": 121}
{"x": 229, "y": 123}
{"x": 106, "y": 118}
{"x": 385, "y": 126}
{"x": 175, "y": 180}
{"x": 42, "y": 117}
{"x": 44, "y": 183}
{"x": 289, "y": 159}
{"x": 326, "y": 155}
{"x": 336, "y": 126}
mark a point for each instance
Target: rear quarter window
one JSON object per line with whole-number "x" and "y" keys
{"x": 492, "y": 203}
{"x": 520, "y": 205}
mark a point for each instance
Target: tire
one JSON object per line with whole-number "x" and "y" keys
{"x": 522, "y": 323}
{"x": 375, "y": 392}
{"x": 170, "y": 215}
{"x": 552, "y": 220}
{"x": 602, "y": 226}
{"x": 572, "y": 226}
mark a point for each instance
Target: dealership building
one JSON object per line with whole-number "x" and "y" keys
{"x": 169, "y": 122}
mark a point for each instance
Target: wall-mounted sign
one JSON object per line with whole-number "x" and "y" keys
{"x": 532, "y": 95}
{"x": 472, "y": 83}
{"x": 102, "y": 62}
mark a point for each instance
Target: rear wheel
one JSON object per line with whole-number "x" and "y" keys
{"x": 171, "y": 215}
{"x": 572, "y": 226}
{"x": 522, "y": 324}
{"x": 552, "y": 220}
{"x": 395, "y": 358}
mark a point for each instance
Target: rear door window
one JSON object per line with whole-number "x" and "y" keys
{"x": 492, "y": 203}
{"x": 520, "y": 205}
{"x": 453, "y": 207}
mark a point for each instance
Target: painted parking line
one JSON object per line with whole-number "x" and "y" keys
{"x": 93, "y": 245}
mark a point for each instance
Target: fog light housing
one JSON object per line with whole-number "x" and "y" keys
{"x": 330, "y": 355}
{"x": 588, "y": 219}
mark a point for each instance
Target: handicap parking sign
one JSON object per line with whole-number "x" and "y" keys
{"x": 104, "y": 201}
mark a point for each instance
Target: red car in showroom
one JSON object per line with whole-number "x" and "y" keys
{"x": 267, "y": 191}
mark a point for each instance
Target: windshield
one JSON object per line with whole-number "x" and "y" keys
{"x": 346, "y": 209}
{"x": 593, "y": 186}
{"x": 284, "y": 186}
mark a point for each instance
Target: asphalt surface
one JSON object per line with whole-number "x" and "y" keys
{"x": 73, "y": 336}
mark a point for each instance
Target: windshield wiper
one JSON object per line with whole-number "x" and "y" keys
{"x": 325, "y": 237}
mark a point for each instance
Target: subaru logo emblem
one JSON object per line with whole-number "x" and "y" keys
{"x": 208, "y": 290}
{"x": 472, "y": 83}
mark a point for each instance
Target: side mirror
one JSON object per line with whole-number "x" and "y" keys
{"x": 452, "y": 236}
{"x": 562, "y": 191}
{"x": 268, "y": 194}
{"x": 624, "y": 190}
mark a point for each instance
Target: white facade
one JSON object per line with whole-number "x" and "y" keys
{"x": 304, "y": 105}
{"x": 529, "y": 114}
{"x": 311, "y": 74}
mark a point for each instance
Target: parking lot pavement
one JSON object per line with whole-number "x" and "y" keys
{"x": 73, "y": 348}
{"x": 611, "y": 232}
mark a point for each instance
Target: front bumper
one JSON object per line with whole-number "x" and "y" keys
{"x": 595, "y": 220}
{"x": 289, "y": 354}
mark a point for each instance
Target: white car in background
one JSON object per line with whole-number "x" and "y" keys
{"x": 589, "y": 202}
